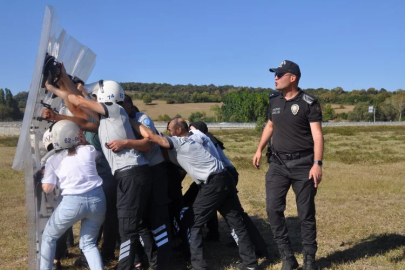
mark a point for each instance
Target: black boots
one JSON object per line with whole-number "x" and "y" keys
{"x": 289, "y": 260}
{"x": 309, "y": 262}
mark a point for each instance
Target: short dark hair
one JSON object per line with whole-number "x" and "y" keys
{"x": 129, "y": 99}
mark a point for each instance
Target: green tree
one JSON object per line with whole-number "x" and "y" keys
{"x": 9, "y": 109}
{"x": 398, "y": 101}
{"x": 2, "y": 100}
{"x": 22, "y": 104}
{"x": 386, "y": 111}
{"x": 6, "y": 113}
{"x": 9, "y": 98}
{"x": 244, "y": 106}
{"x": 329, "y": 113}
{"x": 360, "y": 113}
{"x": 147, "y": 99}
{"x": 217, "y": 113}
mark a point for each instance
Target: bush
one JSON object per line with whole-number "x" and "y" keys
{"x": 343, "y": 116}
{"x": 196, "y": 116}
{"x": 260, "y": 123}
{"x": 164, "y": 118}
{"x": 234, "y": 119}
{"x": 329, "y": 113}
{"x": 147, "y": 99}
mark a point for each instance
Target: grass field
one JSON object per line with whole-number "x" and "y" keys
{"x": 346, "y": 108}
{"x": 360, "y": 202}
{"x": 160, "y": 107}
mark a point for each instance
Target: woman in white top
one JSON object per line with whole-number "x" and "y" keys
{"x": 74, "y": 167}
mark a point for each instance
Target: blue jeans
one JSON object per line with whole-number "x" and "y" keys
{"x": 90, "y": 208}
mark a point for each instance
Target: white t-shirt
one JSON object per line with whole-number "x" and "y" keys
{"x": 77, "y": 174}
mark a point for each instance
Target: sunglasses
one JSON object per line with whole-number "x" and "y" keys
{"x": 279, "y": 75}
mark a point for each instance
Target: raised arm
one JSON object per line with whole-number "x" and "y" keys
{"x": 66, "y": 87}
{"x": 83, "y": 124}
{"x": 85, "y": 103}
{"x": 71, "y": 88}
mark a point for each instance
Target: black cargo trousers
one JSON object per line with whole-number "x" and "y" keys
{"x": 218, "y": 194}
{"x": 278, "y": 182}
{"x": 109, "y": 229}
{"x": 133, "y": 194}
{"x": 155, "y": 227}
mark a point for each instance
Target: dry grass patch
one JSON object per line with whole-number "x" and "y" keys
{"x": 346, "y": 108}
{"x": 160, "y": 107}
{"x": 360, "y": 203}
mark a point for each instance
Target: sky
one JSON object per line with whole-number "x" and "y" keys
{"x": 351, "y": 44}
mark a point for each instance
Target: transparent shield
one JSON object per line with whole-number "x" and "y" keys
{"x": 79, "y": 61}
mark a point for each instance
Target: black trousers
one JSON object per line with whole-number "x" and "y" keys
{"x": 133, "y": 192}
{"x": 155, "y": 227}
{"x": 110, "y": 225}
{"x": 219, "y": 194}
{"x": 176, "y": 175}
{"x": 278, "y": 182}
{"x": 212, "y": 224}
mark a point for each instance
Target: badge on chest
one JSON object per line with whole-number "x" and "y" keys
{"x": 294, "y": 109}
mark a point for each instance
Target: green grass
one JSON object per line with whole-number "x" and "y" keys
{"x": 8, "y": 141}
{"x": 360, "y": 202}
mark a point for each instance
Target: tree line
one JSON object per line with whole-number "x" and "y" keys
{"x": 12, "y": 107}
{"x": 243, "y": 104}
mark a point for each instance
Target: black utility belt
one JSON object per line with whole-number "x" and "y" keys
{"x": 296, "y": 155}
{"x": 130, "y": 170}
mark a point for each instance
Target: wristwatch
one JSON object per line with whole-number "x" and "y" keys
{"x": 319, "y": 162}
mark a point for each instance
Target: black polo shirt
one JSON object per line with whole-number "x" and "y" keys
{"x": 291, "y": 121}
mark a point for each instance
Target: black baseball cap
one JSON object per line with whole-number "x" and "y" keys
{"x": 287, "y": 66}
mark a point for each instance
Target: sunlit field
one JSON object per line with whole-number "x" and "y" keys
{"x": 360, "y": 203}
{"x": 160, "y": 107}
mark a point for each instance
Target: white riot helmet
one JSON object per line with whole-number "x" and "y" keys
{"x": 47, "y": 140}
{"x": 65, "y": 134}
{"x": 110, "y": 91}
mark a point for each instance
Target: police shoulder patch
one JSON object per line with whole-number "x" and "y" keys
{"x": 275, "y": 94}
{"x": 146, "y": 121}
{"x": 308, "y": 99}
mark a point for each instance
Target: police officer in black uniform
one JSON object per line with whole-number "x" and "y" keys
{"x": 294, "y": 125}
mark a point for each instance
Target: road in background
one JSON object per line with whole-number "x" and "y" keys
{"x": 13, "y": 128}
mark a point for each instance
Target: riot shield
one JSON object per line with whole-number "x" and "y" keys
{"x": 79, "y": 61}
